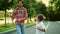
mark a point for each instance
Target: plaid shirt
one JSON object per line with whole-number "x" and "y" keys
{"x": 19, "y": 14}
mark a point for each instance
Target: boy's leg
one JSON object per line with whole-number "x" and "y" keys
{"x": 22, "y": 29}
{"x": 18, "y": 29}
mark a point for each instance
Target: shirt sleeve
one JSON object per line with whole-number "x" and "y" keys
{"x": 25, "y": 14}
{"x": 42, "y": 26}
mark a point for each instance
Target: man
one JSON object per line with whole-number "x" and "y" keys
{"x": 20, "y": 14}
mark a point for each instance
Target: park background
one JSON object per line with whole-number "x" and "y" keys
{"x": 49, "y": 8}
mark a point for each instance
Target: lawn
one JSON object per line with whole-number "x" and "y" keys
{"x": 11, "y": 26}
{"x": 8, "y": 27}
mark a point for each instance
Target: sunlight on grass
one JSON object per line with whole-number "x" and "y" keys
{"x": 11, "y": 26}
{"x": 8, "y": 27}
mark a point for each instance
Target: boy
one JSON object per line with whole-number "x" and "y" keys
{"x": 40, "y": 27}
{"x": 20, "y": 14}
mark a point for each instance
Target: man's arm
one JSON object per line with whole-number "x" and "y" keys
{"x": 41, "y": 29}
{"x": 25, "y": 14}
{"x": 13, "y": 16}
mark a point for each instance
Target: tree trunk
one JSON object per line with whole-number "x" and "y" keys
{"x": 5, "y": 18}
{"x": 30, "y": 19}
{"x": 27, "y": 20}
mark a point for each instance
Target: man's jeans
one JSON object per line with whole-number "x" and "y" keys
{"x": 20, "y": 29}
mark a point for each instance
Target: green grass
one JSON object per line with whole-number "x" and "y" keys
{"x": 11, "y": 26}
{"x": 28, "y": 24}
{"x": 8, "y": 27}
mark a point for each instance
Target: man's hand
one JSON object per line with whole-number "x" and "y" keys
{"x": 21, "y": 24}
{"x": 23, "y": 19}
{"x": 13, "y": 22}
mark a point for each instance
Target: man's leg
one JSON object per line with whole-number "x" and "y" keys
{"x": 22, "y": 29}
{"x": 18, "y": 29}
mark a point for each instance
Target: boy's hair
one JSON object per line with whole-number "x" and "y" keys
{"x": 40, "y": 17}
{"x": 20, "y": 0}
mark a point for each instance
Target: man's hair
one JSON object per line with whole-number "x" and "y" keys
{"x": 40, "y": 17}
{"x": 20, "y": 0}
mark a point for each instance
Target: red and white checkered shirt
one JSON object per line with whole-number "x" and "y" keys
{"x": 19, "y": 14}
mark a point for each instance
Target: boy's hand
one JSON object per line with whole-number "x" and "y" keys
{"x": 41, "y": 29}
{"x": 38, "y": 28}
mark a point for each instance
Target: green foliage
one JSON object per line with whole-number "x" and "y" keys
{"x": 8, "y": 14}
{"x": 57, "y": 11}
{"x": 52, "y": 1}
{"x": 29, "y": 4}
{"x": 51, "y": 14}
{"x": 41, "y": 9}
{"x": 54, "y": 10}
{"x": 6, "y": 4}
{"x": 15, "y": 4}
{"x": 2, "y": 14}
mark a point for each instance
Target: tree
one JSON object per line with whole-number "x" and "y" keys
{"x": 56, "y": 9}
{"x": 5, "y": 5}
{"x": 29, "y": 4}
{"x": 41, "y": 9}
{"x": 50, "y": 14}
{"x": 52, "y": 1}
{"x": 15, "y": 4}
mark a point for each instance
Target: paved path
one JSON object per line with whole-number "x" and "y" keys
{"x": 30, "y": 30}
{"x": 51, "y": 28}
{"x": 54, "y": 28}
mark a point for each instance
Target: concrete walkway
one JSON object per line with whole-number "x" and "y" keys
{"x": 51, "y": 28}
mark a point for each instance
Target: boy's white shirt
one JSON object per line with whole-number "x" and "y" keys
{"x": 42, "y": 26}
